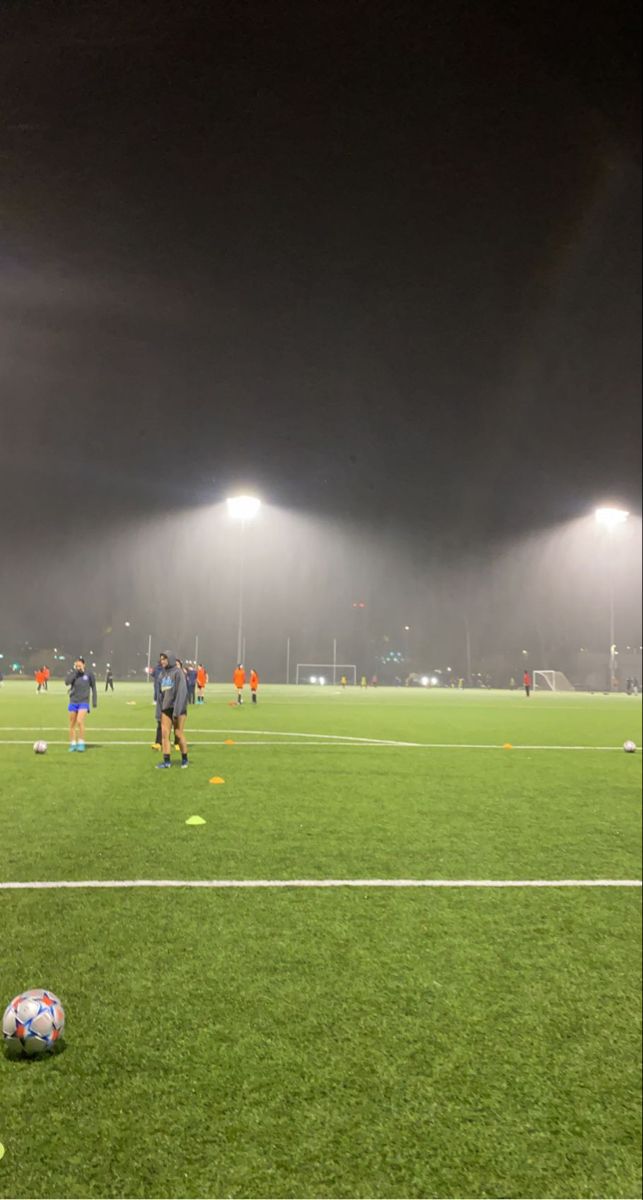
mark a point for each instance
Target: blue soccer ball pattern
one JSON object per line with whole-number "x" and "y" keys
{"x": 33, "y": 1022}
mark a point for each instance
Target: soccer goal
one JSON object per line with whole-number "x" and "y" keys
{"x": 552, "y": 681}
{"x": 322, "y": 673}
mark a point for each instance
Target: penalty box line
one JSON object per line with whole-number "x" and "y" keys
{"x": 219, "y": 884}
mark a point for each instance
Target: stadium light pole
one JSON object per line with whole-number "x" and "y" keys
{"x": 243, "y": 509}
{"x": 611, "y": 519}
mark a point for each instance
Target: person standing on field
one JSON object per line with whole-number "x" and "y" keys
{"x": 239, "y": 681}
{"x": 254, "y": 684}
{"x": 109, "y": 679}
{"x": 82, "y": 685}
{"x": 526, "y": 683}
{"x": 171, "y": 708}
{"x": 201, "y": 681}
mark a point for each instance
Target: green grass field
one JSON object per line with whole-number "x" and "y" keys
{"x": 367, "y": 1041}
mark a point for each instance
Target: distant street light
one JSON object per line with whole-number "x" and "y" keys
{"x": 243, "y": 509}
{"x": 610, "y": 519}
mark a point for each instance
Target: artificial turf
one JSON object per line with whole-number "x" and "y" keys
{"x": 326, "y": 1043}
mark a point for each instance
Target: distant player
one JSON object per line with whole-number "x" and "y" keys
{"x": 82, "y": 685}
{"x": 46, "y": 674}
{"x": 239, "y": 681}
{"x": 109, "y": 679}
{"x": 526, "y": 683}
{"x": 40, "y": 679}
{"x": 254, "y": 684}
{"x": 201, "y": 681}
{"x": 363, "y": 683}
{"x": 171, "y": 708}
{"x": 190, "y": 679}
{"x": 343, "y": 682}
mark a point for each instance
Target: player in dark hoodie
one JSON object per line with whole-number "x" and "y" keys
{"x": 171, "y": 708}
{"x": 82, "y": 685}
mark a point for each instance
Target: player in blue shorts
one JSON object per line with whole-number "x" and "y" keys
{"x": 82, "y": 685}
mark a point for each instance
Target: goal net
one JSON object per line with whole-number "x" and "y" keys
{"x": 552, "y": 681}
{"x": 323, "y": 673}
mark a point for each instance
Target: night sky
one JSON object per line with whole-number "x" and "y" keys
{"x": 380, "y": 262}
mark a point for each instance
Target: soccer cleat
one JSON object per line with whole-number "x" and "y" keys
{"x": 184, "y": 765}
{"x": 156, "y": 745}
{"x": 72, "y": 748}
{"x": 162, "y": 766}
{"x": 80, "y": 746}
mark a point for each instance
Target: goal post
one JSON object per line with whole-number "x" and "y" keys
{"x": 315, "y": 673}
{"x": 552, "y": 681}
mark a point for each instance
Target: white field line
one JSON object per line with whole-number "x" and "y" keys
{"x": 319, "y": 883}
{"x": 334, "y": 737}
{"x": 324, "y": 745}
{"x": 307, "y": 739}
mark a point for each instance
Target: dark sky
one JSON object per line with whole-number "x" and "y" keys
{"x": 380, "y": 261}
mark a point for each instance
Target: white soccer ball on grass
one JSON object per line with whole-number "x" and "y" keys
{"x": 33, "y": 1022}
{"x": 629, "y": 747}
{"x": 40, "y": 747}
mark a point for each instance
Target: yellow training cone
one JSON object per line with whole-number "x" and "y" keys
{"x": 217, "y": 779}
{"x": 195, "y": 821}
{"x": 229, "y": 742}
{"x": 507, "y": 746}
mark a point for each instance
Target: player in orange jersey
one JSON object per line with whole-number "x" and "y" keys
{"x": 239, "y": 681}
{"x": 201, "y": 680}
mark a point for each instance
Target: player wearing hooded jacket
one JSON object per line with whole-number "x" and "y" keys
{"x": 171, "y": 708}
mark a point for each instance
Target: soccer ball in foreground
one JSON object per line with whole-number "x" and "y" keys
{"x": 40, "y": 747}
{"x": 629, "y": 747}
{"x": 33, "y": 1022}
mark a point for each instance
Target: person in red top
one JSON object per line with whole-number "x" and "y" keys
{"x": 526, "y": 682}
{"x": 201, "y": 680}
{"x": 254, "y": 684}
{"x": 46, "y": 674}
{"x": 40, "y": 678}
{"x": 239, "y": 681}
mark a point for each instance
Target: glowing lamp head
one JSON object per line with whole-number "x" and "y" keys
{"x": 243, "y": 508}
{"x": 611, "y": 518}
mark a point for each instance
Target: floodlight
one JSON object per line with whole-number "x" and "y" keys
{"x": 313, "y": 679}
{"x": 611, "y": 518}
{"x": 424, "y": 681}
{"x": 243, "y": 508}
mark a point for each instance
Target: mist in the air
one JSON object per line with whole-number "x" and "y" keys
{"x": 393, "y": 603}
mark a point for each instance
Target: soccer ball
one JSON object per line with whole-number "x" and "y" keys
{"x": 33, "y": 1022}
{"x": 40, "y": 747}
{"x": 629, "y": 747}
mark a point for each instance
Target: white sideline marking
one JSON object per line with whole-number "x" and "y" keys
{"x": 334, "y": 737}
{"x": 336, "y": 741}
{"x": 323, "y": 883}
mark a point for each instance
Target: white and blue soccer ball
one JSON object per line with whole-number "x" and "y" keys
{"x": 40, "y": 747}
{"x": 629, "y": 747}
{"x": 33, "y": 1022}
